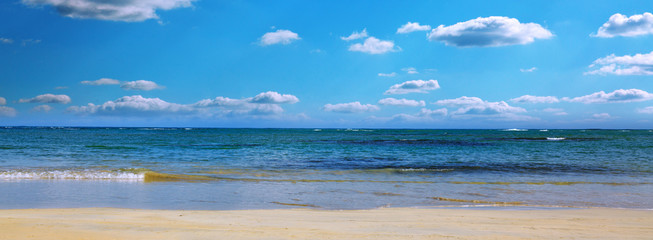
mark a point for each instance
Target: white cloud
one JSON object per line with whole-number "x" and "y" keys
{"x": 424, "y": 115}
{"x": 477, "y": 106}
{"x": 3, "y": 101}
{"x": 535, "y": 99}
{"x": 102, "y": 81}
{"x": 60, "y": 87}
{"x": 638, "y": 64}
{"x": 489, "y": 32}
{"x": 266, "y": 103}
{"x": 352, "y": 107}
{"x": 232, "y": 106}
{"x": 601, "y": 116}
{"x": 47, "y": 98}
{"x": 430, "y": 113}
{"x": 373, "y": 45}
{"x": 412, "y": 27}
{"x": 410, "y": 70}
{"x": 7, "y": 111}
{"x": 113, "y": 10}
{"x": 392, "y": 74}
{"x": 274, "y": 98}
{"x": 414, "y": 86}
{"x": 140, "y": 85}
{"x": 617, "y": 96}
{"x": 528, "y": 69}
{"x": 42, "y": 108}
{"x": 355, "y": 35}
{"x": 281, "y": 36}
{"x": 6, "y": 40}
{"x": 622, "y": 25}
{"x": 401, "y": 102}
{"x": 132, "y": 106}
{"x": 646, "y": 110}
{"x": 221, "y": 102}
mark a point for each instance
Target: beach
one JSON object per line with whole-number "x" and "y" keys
{"x": 96, "y": 183}
{"x": 383, "y": 223}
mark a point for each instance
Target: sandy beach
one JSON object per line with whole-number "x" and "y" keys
{"x": 386, "y": 223}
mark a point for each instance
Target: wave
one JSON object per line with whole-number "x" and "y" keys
{"x": 477, "y": 201}
{"x": 555, "y": 138}
{"x": 116, "y": 175}
{"x": 413, "y": 142}
{"x": 514, "y": 130}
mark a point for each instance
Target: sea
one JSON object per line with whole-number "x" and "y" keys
{"x": 228, "y": 169}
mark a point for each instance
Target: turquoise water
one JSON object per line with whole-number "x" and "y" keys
{"x": 184, "y": 168}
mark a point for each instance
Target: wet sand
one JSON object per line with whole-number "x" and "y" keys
{"x": 385, "y": 223}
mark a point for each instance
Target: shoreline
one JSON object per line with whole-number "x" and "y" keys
{"x": 304, "y": 223}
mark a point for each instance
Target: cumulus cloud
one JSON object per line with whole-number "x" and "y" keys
{"x": 6, "y": 40}
{"x": 355, "y": 35}
{"x": 476, "y": 106}
{"x": 3, "y": 101}
{"x": 410, "y": 70}
{"x": 535, "y": 99}
{"x": 401, "y": 102}
{"x": 392, "y": 74}
{"x": 7, "y": 111}
{"x": 132, "y": 105}
{"x": 274, "y": 98}
{"x": 373, "y": 45}
{"x": 221, "y": 102}
{"x": 617, "y": 96}
{"x": 281, "y": 36}
{"x": 430, "y": 113}
{"x": 489, "y": 32}
{"x": 412, "y": 27}
{"x": 101, "y": 81}
{"x": 265, "y": 103}
{"x": 414, "y": 86}
{"x": 47, "y": 98}
{"x": 113, "y": 10}
{"x": 424, "y": 115}
{"x": 140, "y": 85}
{"x": 42, "y": 108}
{"x": 646, "y": 110}
{"x": 638, "y": 64}
{"x": 622, "y": 25}
{"x": 352, "y": 107}
{"x": 528, "y": 69}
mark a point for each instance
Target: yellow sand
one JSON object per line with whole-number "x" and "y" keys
{"x": 388, "y": 223}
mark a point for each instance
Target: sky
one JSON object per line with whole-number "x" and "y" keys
{"x": 327, "y": 64}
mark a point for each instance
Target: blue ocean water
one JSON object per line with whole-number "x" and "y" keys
{"x": 186, "y": 168}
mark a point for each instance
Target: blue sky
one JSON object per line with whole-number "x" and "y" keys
{"x": 349, "y": 64}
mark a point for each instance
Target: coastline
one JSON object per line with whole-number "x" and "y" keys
{"x": 302, "y": 223}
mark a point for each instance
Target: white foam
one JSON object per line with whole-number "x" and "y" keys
{"x": 515, "y": 130}
{"x": 71, "y": 175}
{"x": 555, "y": 138}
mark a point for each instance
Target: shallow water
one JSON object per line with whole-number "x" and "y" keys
{"x": 183, "y": 168}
